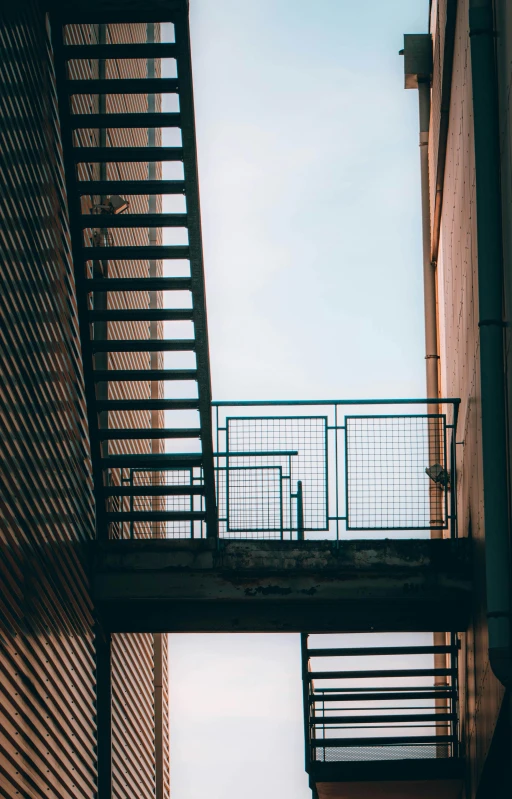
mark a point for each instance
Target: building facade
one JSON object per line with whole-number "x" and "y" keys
{"x": 109, "y": 521}
{"x": 468, "y": 267}
{"x": 50, "y": 632}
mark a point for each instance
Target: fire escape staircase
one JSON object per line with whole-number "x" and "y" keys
{"x": 381, "y": 720}
{"x": 284, "y": 585}
{"x": 105, "y": 269}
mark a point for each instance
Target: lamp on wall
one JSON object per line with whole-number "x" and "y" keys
{"x": 114, "y": 205}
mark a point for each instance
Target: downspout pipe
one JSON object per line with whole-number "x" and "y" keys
{"x": 429, "y": 273}
{"x": 417, "y": 54}
{"x": 418, "y": 65}
{"x": 491, "y": 325}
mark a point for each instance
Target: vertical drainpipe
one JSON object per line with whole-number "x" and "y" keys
{"x": 491, "y": 325}
{"x": 429, "y": 274}
{"x": 417, "y": 54}
{"x": 418, "y": 75}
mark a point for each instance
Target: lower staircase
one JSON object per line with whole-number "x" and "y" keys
{"x": 381, "y": 716}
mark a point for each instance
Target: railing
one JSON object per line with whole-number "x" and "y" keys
{"x": 403, "y": 709}
{"x": 332, "y": 470}
{"x": 309, "y": 470}
{"x": 143, "y": 511}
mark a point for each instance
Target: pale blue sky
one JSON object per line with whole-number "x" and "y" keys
{"x": 309, "y": 177}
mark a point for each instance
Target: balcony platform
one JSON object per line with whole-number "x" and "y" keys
{"x": 208, "y": 585}
{"x": 395, "y": 779}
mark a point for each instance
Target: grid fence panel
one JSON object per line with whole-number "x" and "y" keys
{"x": 306, "y": 437}
{"x": 388, "y": 486}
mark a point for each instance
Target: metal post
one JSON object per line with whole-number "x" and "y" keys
{"x": 300, "y": 513}
{"x": 305, "y": 699}
{"x": 336, "y": 472}
{"x": 103, "y": 645}
{"x": 131, "y": 504}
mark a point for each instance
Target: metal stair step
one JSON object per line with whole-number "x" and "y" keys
{"x": 115, "y": 13}
{"x": 148, "y": 119}
{"x": 133, "y": 220}
{"x": 391, "y": 719}
{"x": 149, "y": 253}
{"x": 127, "y": 187}
{"x": 378, "y": 651}
{"x": 123, "y": 86}
{"x": 141, "y": 315}
{"x": 129, "y": 434}
{"x": 148, "y": 405}
{"x": 156, "y": 461}
{"x": 376, "y": 696}
{"x": 144, "y": 345}
{"x": 68, "y": 85}
{"x": 156, "y": 516}
{"x": 111, "y": 155}
{"x": 122, "y": 375}
{"x": 138, "y": 284}
{"x": 154, "y": 491}
{"x": 149, "y": 50}
{"x": 361, "y": 675}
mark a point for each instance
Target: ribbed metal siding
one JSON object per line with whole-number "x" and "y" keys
{"x": 165, "y": 717}
{"x": 133, "y": 730}
{"x": 47, "y": 690}
{"x": 47, "y": 739}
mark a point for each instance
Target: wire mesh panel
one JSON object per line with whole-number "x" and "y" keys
{"x": 396, "y": 472}
{"x": 156, "y": 504}
{"x": 255, "y": 499}
{"x": 296, "y": 444}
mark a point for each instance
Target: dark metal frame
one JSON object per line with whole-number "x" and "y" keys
{"x": 448, "y": 518}
{"x": 234, "y": 454}
{"x": 372, "y": 694}
{"x": 114, "y": 11}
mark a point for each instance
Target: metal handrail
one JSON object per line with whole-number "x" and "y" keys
{"x": 304, "y": 495}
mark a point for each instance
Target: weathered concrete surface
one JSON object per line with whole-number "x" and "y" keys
{"x": 204, "y": 585}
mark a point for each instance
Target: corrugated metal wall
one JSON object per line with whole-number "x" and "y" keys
{"x": 47, "y": 683}
{"x": 47, "y": 744}
{"x": 481, "y": 693}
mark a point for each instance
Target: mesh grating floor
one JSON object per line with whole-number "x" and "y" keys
{"x": 370, "y": 753}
